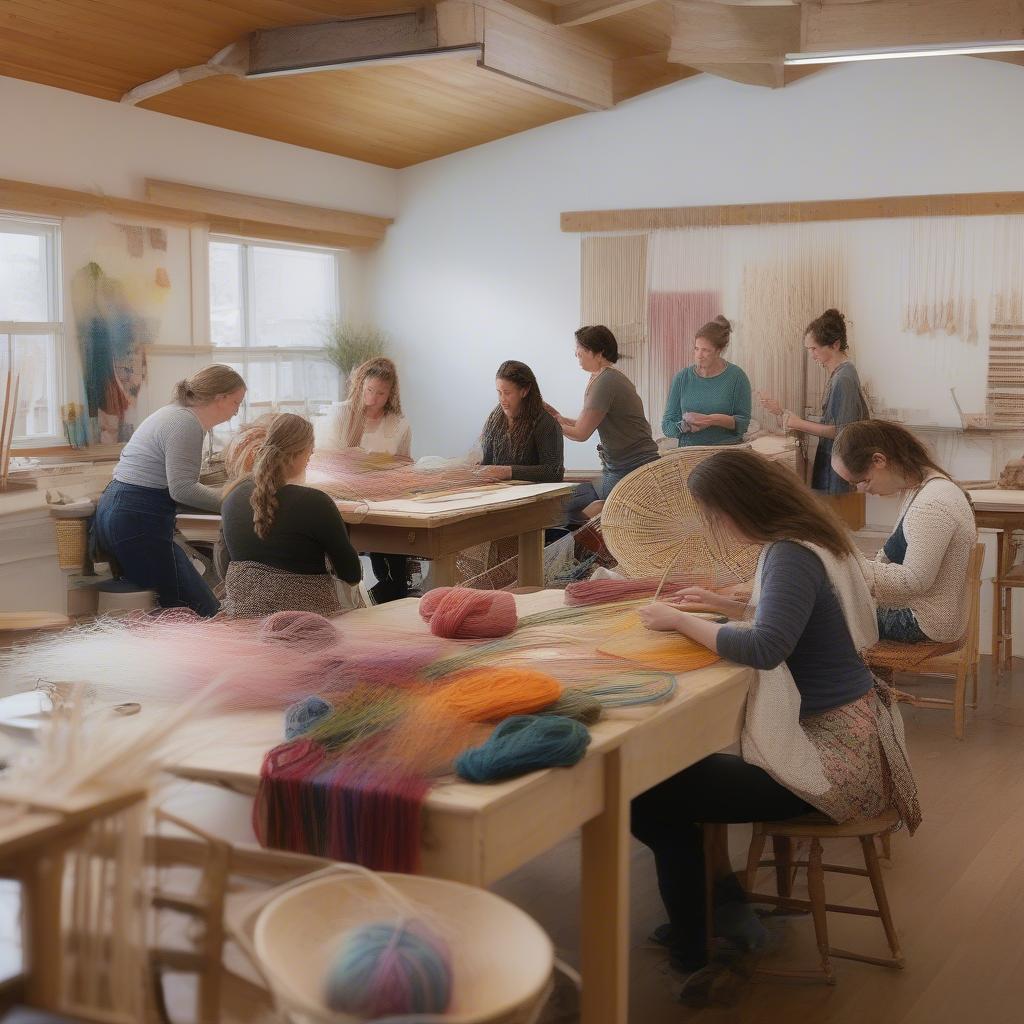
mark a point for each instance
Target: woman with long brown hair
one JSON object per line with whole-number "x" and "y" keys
{"x": 818, "y": 734}
{"x": 843, "y": 402}
{"x": 372, "y": 419}
{"x": 280, "y": 535}
{"x": 919, "y": 576}
{"x": 158, "y": 472}
{"x": 520, "y": 437}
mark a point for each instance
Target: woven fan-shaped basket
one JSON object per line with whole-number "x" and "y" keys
{"x": 652, "y": 525}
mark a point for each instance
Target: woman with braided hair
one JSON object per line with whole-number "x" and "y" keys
{"x": 521, "y": 439}
{"x": 281, "y": 535}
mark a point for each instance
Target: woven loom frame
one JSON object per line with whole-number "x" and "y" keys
{"x": 652, "y": 526}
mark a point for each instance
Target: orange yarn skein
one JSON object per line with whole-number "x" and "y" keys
{"x": 491, "y": 694}
{"x": 463, "y": 614}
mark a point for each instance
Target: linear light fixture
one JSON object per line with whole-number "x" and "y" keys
{"x": 894, "y": 52}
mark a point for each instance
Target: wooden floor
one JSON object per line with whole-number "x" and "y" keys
{"x": 956, "y": 888}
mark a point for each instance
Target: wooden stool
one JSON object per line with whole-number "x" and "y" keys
{"x": 816, "y": 827}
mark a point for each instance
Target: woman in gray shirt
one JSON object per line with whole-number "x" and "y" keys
{"x": 612, "y": 407}
{"x": 157, "y": 472}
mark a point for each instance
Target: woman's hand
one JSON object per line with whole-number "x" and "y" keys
{"x": 696, "y": 420}
{"x": 660, "y": 616}
{"x": 550, "y": 409}
{"x": 771, "y": 404}
{"x": 494, "y": 472}
{"x": 703, "y": 597}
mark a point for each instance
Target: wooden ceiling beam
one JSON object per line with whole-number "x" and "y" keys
{"x": 635, "y": 75}
{"x": 548, "y": 60}
{"x": 719, "y": 38}
{"x": 845, "y": 26}
{"x": 583, "y": 12}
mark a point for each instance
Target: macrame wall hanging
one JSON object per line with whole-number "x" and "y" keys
{"x": 1008, "y": 271}
{"x": 940, "y": 275}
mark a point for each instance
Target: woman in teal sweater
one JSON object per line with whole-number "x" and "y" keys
{"x": 709, "y": 402}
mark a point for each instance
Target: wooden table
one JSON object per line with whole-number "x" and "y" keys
{"x": 1002, "y": 511}
{"x": 441, "y": 526}
{"x": 478, "y": 834}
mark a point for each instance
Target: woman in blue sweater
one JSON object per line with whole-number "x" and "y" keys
{"x": 709, "y": 402}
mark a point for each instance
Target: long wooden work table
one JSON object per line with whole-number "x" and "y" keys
{"x": 439, "y": 526}
{"x": 478, "y": 834}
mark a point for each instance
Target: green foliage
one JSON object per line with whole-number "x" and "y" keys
{"x": 348, "y": 344}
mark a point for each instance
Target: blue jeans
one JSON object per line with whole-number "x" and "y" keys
{"x": 585, "y": 493}
{"x": 900, "y": 625}
{"x": 135, "y": 525}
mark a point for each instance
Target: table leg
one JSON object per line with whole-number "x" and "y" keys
{"x": 41, "y": 887}
{"x": 531, "y": 559}
{"x": 604, "y": 910}
{"x": 442, "y": 572}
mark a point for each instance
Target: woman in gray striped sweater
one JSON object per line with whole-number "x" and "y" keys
{"x": 919, "y": 577}
{"x": 158, "y": 472}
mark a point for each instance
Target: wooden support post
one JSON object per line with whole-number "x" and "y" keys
{"x": 531, "y": 559}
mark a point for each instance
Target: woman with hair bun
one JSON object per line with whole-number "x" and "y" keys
{"x": 280, "y": 535}
{"x": 158, "y": 471}
{"x": 843, "y": 401}
{"x": 709, "y": 402}
{"x": 612, "y": 407}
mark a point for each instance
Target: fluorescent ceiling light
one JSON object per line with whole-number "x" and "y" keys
{"x": 892, "y": 52}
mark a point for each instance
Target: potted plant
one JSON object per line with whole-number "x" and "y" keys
{"x": 348, "y": 344}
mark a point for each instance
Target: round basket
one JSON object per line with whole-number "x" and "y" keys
{"x": 502, "y": 959}
{"x": 652, "y": 526}
{"x": 72, "y": 541}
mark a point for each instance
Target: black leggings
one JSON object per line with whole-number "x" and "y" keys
{"x": 721, "y": 788}
{"x": 390, "y": 571}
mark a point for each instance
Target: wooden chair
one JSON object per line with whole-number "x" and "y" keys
{"x": 957, "y": 661}
{"x": 815, "y": 828}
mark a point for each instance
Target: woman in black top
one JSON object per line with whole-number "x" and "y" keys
{"x": 521, "y": 439}
{"x": 280, "y": 535}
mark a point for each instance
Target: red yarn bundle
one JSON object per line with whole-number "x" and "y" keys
{"x": 462, "y": 614}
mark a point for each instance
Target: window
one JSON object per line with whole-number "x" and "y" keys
{"x": 31, "y": 331}
{"x": 270, "y": 306}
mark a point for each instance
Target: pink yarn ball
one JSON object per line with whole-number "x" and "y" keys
{"x": 462, "y": 614}
{"x": 306, "y": 631}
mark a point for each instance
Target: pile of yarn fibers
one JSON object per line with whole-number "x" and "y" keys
{"x": 306, "y": 631}
{"x": 462, "y": 614}
{"x": 491, "y": 694}
{"x": 390, "y": 969}
{"x": 522, "y": 744}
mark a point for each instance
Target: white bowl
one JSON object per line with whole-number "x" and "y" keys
{"x": 501, "y": 958}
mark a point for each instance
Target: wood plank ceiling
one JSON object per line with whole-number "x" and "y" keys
{"x": 499, "y": 66}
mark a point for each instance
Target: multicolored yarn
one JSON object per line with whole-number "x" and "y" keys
{"x": 525, "y": 743}
{"x": 463, "y": 614}
{"x": 385, "y": 970}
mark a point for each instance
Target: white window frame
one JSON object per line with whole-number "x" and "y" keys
{"x": 50, "y": 228}
{"x": 257, "y": 353}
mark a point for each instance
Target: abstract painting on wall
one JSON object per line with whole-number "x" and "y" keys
{"x": 123, "y": 290}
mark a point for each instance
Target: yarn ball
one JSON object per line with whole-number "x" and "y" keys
{"x": 303, "y": 715}
{"x": 524, "y": 743}
{"x": 387, "y": 969}
{"x": 305, "y": 630}
{"x": 491, "y": 694}
{"x": 459, "y": 613}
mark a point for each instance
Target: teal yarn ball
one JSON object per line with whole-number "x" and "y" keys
{"x": 301, "y": 716}
{"x": 382, "y": 970}
{"x": 524, "y": 743}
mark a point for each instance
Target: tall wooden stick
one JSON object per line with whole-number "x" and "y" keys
{"x": 10, "y": 434}
{"x": 3, "y": 421}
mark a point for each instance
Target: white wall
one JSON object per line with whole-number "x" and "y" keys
{"x": 476, "y": 269}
